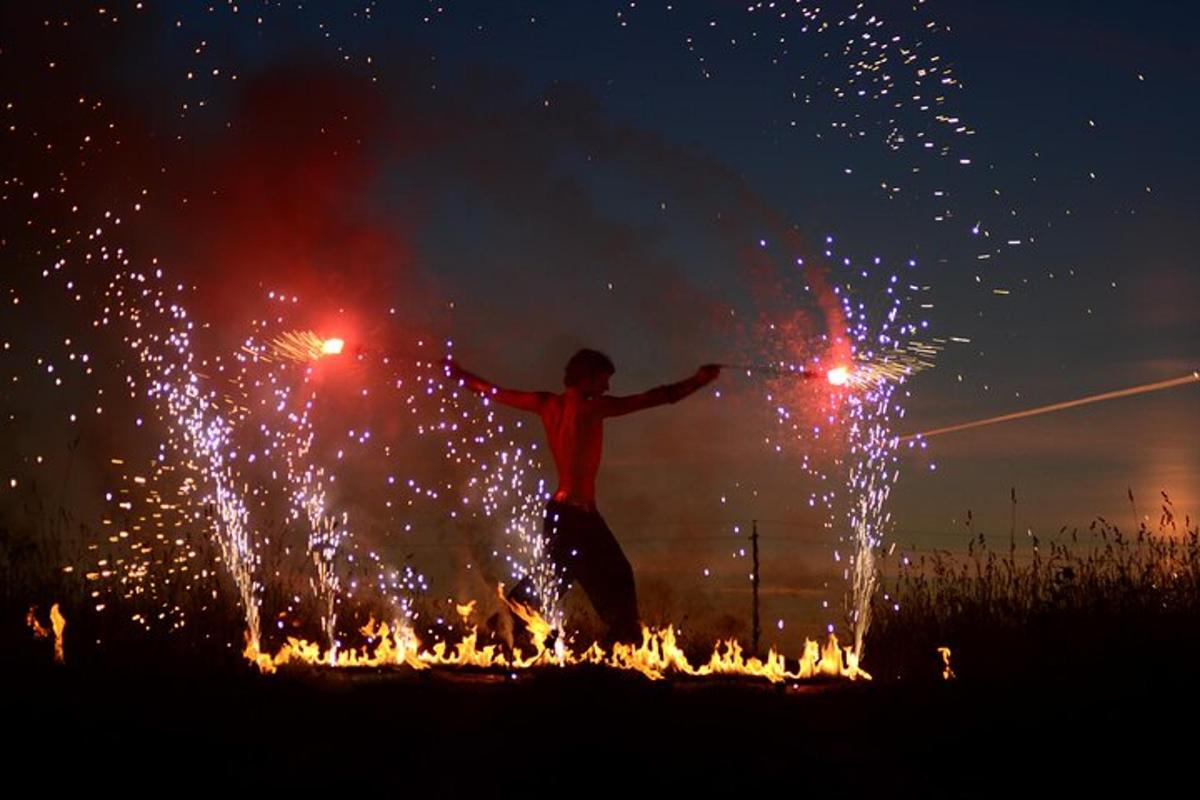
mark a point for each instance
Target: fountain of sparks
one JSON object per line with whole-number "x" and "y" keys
{"x": 844, "y": 424}
{"x": 199, "y": 425}
{"x": 293, "y": 438}
{"x": 331, "y": 547}
{"x": 234, "y": 426}
{"x": 500, "y": 485}
{"x": 891, "y": 346}
{"x": 504, "y": 483}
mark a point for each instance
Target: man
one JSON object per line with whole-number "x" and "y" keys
{"x": 577, "y": 538}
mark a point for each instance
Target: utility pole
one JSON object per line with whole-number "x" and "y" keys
{"x": 757, "y": 630}
{"x": 1012, "y": 528}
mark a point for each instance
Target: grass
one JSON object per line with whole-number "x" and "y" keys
{"x": 1098, "y": 600}
{"x": 1101, "y": 600}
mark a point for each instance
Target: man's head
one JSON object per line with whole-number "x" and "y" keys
{"x": 588, "y": 371}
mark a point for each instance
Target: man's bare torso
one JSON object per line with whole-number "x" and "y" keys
{"x": 575, "y": 432}
{"x": 574, "y": 421}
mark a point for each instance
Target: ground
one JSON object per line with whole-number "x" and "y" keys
{"x": 588, "y": 730}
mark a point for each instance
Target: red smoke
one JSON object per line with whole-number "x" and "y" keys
{"x": 282, "y": 200}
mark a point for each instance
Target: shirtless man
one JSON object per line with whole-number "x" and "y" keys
{"x": 577, "y": 538}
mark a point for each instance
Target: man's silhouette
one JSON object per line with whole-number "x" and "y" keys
{"x": 577, "y": 538}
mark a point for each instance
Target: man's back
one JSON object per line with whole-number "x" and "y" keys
{"x": 575, "y": 432}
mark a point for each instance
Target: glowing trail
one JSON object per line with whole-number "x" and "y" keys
{"x": 838, "y": 376}
{"x": 895, "y": 365}
{"x": 1082, "y": 401}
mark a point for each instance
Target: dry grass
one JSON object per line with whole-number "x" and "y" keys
{"x": 1099, "y": 600}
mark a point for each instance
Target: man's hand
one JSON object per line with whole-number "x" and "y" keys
{"x": 708, "y": 373}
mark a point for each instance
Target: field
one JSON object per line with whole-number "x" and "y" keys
{"x": 1074, "y": 668}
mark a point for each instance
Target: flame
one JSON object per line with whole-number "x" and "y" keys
{"x": 397, "y": 645}
{"x": 947, "y": 671}
{"x": 838, "y": 376}
{"x": 658, "y": 655}
{"x": 537, "y": 626}
{"x": 332, "y": 347}
{"x": 261, "y": 660}
{"x": 32, "y": 620}
{"x": 465, "y": 611}
{"x": 58, "y": 624}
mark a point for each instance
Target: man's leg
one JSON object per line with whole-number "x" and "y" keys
{"x": 590, "y": 552}
{"x": 525, "y": 591}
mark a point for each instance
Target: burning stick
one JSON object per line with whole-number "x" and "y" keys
{"x": 838, "y": 376}
{"x": 1082, "y": 401}
{"x": 303, "y": 347}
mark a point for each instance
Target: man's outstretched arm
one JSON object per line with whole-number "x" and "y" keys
{"x": 526, "y": 401}
{"x": 660, "y": 395}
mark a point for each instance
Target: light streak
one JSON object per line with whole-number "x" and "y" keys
{"x": 836, "y": 376}
{"x": 895, "y": 365}
{"x": 1082, "y": 401}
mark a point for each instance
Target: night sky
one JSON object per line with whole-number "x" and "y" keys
{"x": 529, "y": 178}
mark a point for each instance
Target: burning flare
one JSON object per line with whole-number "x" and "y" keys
{"x": 838, "y": 376}
{"x": 300, "y": 347}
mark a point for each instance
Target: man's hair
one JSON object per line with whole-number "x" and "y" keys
{"x": 586, "y": 363}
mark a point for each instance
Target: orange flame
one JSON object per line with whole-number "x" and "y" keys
{"x": 657, "y": 656}
{"x": 58, "y": 624}
{"x": 397, "y": 645}
{"x": 32, "y": 620}
{"x": 947, "y": 671}
{"x": 539, "y": 631}
{"x": 465, "y": 611}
